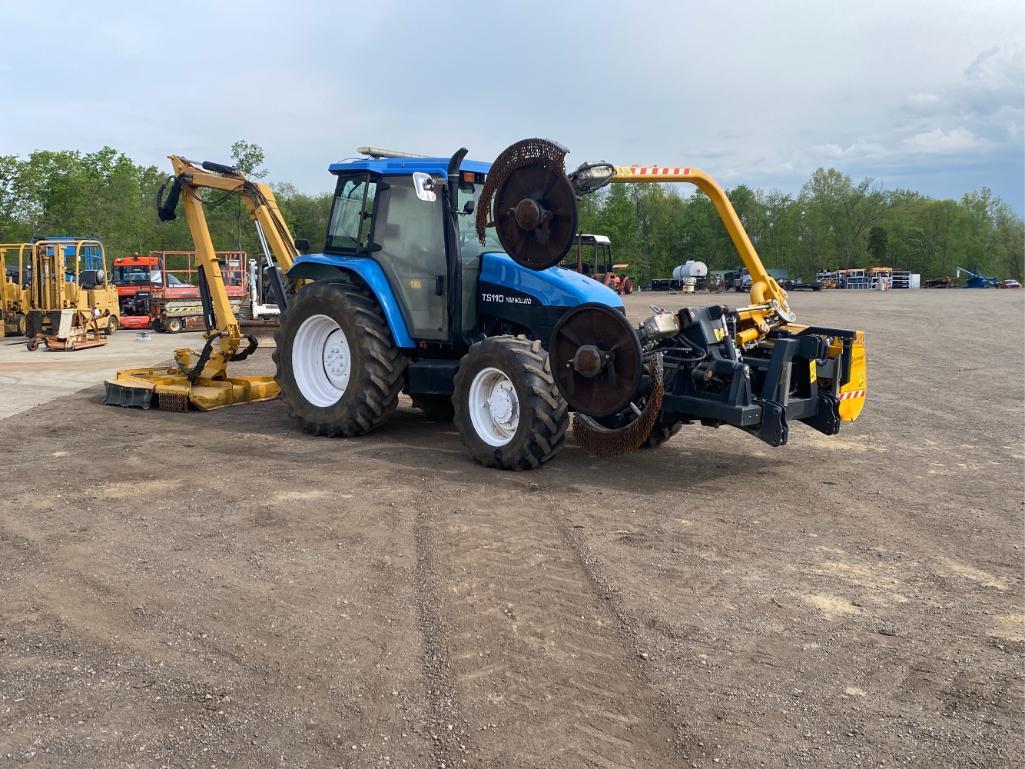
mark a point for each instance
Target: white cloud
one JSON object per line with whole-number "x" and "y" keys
{"x": 944, "y": 142}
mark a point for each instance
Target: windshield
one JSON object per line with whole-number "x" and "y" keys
{"x": 126, "y": 275}
{"x": 469, "y": 244}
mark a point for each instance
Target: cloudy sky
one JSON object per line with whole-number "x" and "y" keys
{"x": 921, "y": 95}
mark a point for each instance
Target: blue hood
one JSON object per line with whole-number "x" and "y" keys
{"x": 554, "y": 287}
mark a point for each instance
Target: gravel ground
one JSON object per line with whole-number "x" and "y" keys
{"x": 221, "y": 590}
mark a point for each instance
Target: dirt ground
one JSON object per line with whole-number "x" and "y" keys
{"x": 221, "y": 590}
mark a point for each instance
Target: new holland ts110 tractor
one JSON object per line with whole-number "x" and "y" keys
{"x": 439, "y": 278}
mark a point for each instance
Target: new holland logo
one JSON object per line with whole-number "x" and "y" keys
{"x": 506, "y": 299}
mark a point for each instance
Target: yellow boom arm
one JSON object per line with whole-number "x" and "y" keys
{"x": 201, "y": 379}
{"x": 769, "y": 304}
{"x": 263, "y": 210}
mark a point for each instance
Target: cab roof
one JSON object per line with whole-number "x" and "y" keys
{"x": 405, "y": 166}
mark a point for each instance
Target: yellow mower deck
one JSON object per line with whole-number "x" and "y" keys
{"x": 172, "y": 391}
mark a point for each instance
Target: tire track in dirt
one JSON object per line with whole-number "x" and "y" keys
{"x": 558, "y": 513}
{"x": 441, "y": 708}
{"x": 528, "y": 645}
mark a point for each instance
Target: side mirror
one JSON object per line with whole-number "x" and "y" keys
{"x": 468, "y": 207}
{"x": 302, "y": 245}
{"x": 424, "y": 186}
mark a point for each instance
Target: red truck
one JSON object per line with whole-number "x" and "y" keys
{"x": 160, "y": 291}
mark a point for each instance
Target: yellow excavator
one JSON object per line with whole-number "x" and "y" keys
{"x": 201, "y": 378}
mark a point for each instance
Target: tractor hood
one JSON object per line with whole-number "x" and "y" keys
{"x": 554, "y": 287}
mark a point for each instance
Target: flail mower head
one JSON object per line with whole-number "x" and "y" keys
{"x": 751, "y": 367}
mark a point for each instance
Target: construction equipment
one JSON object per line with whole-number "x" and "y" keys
{"x": 158, "y": 291}
{"x": 16, "y": 264}
{"x": 133, "y": 278}
{"x": 439, "y": 279}
{"x": 75, "y": 330}
{"x": 975, "y": 280}
{"x": 71, "y": 302}
{"x": 410, "y": 296}
{"x": 256, "y": 307}
{"x": 201, "y": 378}
{"x": 592, "y": 256}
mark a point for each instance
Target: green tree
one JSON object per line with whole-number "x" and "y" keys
{"x": 248, "y": 158}
{"x": 877, "y": 244}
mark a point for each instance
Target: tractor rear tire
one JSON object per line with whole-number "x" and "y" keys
{"x": 112, "y": 326}
{"x": 508, "y": 410}
{"x": 337, "y": 365}
{"x": 174, "y": 325}
{"x": 661, "y": 434}
{"x": 436, "y": 407}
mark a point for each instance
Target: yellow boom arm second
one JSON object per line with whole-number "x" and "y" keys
{"x": 768, "y": 299}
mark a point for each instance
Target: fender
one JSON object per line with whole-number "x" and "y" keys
{"x": 327, "y": 267}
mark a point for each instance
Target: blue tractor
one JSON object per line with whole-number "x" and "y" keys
{"x": 407, "y": 296}
{"x": 438, "y": 277}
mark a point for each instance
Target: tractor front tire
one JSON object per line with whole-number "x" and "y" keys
{"x": 112, "y": 326}
{"x": 508, "y": 410}
{"x": 174, "y": 325}
{"x": 338, "y": 368}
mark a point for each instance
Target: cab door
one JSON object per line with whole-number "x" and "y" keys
{"x": 409, "y": 244}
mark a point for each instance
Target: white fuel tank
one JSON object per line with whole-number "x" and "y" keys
{"x": 690, "y": 269}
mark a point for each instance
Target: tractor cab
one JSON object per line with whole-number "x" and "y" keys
{"x": 589, "y": 254}
{"x": 406, "y": 226}
{"x": 389, "y": 210}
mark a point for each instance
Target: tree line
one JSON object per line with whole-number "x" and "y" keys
{"x": 832, "y": 223}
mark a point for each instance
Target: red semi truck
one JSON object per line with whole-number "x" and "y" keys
{"x": 161, "y": 290}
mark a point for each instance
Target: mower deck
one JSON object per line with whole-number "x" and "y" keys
{"x": 173, "y": 391}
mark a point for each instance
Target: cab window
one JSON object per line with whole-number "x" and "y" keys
{"x": 351, "y": 214}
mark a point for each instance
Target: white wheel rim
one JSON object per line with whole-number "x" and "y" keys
{"x": 321, "y": 360}
{"x": 494, "y": 407}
